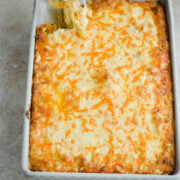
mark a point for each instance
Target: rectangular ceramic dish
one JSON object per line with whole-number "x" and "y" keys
{"x": 43, "y": 14}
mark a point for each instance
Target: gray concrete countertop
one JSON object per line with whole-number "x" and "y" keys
{"x": 15, "y": 27}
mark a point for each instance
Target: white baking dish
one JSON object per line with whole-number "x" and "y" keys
{"x": 43, "y": 14}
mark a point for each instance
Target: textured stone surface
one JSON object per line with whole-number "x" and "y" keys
{"x": 15, "y": 25}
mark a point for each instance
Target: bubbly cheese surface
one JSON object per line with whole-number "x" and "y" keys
{"x": 103, "y": 102}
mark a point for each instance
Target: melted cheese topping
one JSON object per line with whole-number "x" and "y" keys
{"x": 103, "y": 103}
{"x": 74, "y": 14}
